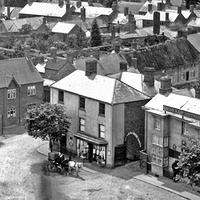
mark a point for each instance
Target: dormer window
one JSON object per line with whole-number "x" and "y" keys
{"x": 11, "y": 94}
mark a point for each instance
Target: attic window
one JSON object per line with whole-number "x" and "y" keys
{"x": 11, "y": 94}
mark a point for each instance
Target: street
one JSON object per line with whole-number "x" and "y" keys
{"x": 22, "y": 177}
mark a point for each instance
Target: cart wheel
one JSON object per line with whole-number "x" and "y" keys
{"x": 60, "y": 170}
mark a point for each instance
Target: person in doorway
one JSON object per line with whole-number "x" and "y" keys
{"x": 175, "y": 169}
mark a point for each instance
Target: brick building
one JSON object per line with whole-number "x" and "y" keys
{"x": 170, "y": 120}
{"x": 21, "y": 86}
{"x": 106, "y": 115}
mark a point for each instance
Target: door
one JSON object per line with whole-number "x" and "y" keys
{"x": 63, "y": 144}
{"x": 90, "y": 152}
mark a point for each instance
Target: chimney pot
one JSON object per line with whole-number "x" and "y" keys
{"x": 83, "y": 14}
{"x": 126, "y": 11}
{"x": 166, "y": 85}
{"x": 53, "y": 52}
{"x": 191, "y": 8}
{"x": 149, "y": 76}
{"x": 156, "y": 23}
{"x": 179, "y": 10}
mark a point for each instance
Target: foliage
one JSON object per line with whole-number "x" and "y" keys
{"x": 191, "y": 2}
{"x": 95, "y": 35}
{"x": 25, "y": 29}
{"x": 189, "y": 161}
{"x": 47, "y": 121}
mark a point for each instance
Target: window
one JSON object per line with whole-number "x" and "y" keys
{"x": 183, "y": 76}
{"x": 101, "y": 131}
{"x": 60, "y": 96}
{"x": 187, "y": 76}
{"x": 82, "y": 103}
{"x": 157, "y": 124}
{"x": 31, "y": 90}
{"x": 11, "y": 112}
{"x": 157, "y": 140}
{"x": 82, "y": 124}
{"x": 11, "y": 94}
{"x": 157, "y": 160}
{"x": 101, "y": 109}
{"x": 184, "y": 128}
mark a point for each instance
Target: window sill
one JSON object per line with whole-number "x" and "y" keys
{"x": 101, "y": 115}
{"x": 61, "y": 102}
{"x": 82, "y": 109}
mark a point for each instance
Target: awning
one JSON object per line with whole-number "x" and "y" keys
{"x": 91, "y": 139}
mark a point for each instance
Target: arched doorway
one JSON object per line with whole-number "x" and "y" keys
{"x": 133, "y": 146}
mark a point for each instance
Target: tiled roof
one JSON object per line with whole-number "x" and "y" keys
{"x": 134, "y": 7}
{"x": 62, "y": 27}
{"x": 194, "y": 23}
{"x": 15, "y": 25}
{"x": 99, "y": 87}
{"x": 55, "y": 64}
{"x": 22, "y": 69}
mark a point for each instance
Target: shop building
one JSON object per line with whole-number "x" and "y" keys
{"x": 105, "y": 115}
{"x": 170, "y": 120}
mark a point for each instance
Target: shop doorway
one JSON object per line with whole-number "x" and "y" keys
{"x": 90, "y": 152}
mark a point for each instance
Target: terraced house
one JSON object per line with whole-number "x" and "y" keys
{"x": 21, "y": 86}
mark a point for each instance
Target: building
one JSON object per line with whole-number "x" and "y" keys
{"x": 106, "y": 116}
{"x": 21, "y": 87}
{"x": 170, "y": 120}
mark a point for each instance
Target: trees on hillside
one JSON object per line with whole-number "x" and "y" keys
{"x": 95, "y": 35}
{"x": 191, "y": 2}
{"x": 47, "y": 121}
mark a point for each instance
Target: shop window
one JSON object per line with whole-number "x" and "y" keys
{"x": 11, "y": 112}
{"x": 82, "y": 103}
{"x": 82, "y": 148}
{"x": 183, "y": 76}
{"x": 31, "y": 90}
{"x": 157, "y": 124}
{"x": 101, "y": 108}
{"x": 157, "y": 140}
{"x": 82, "y": 124}
{"x": 60, "y": 96}
{"x": 101, "y": 131}
{"x": 99, "y": 154}
{"x": 11, "y": 94}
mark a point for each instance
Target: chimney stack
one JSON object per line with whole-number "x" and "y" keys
{"x": 60, "y": 3}
{"x": 159, "y": 6}
{"x": 166, "y": 85}
{"x": 149, "y": 76}
{"x": 123, "y": 66}
{"x": 191, "y": 8}
{"x": 134, "y": 62}
{"x": 53, "y": 52}
{"x": 68, "y": 10}
{"x": 83, "y": 14}
{"x": 156, "y": 23}
{"x": 8, "y": 12}
{"x": 90, "y": 67}
{"x": 179, "y": 10}
{"x": 126, "y": 11}
{"x": 150, "y": 7}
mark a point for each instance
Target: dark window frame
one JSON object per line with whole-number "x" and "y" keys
{"x": 102, "y": 109}
{"x": 82, "y": 103}
{"x": 81, "y": 125}
{"x": 60, "y": 96}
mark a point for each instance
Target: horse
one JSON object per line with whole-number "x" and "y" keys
{"x": 74, "y": 166}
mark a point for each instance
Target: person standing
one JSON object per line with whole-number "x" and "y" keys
{"x": 175, "y": 169}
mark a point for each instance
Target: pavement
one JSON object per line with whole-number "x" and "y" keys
{"x": 180, "y": 189}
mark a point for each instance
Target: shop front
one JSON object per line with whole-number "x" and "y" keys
{"x": 91, "y": 149}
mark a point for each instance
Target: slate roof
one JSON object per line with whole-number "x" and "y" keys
{"x": 15, "y": 25}
{"x": 107, "y": 64}
{"x": 22, "y": 69}
{"x": 194, "y": 39}
{"x": 134, "y": 7}
{"x": 99, "y": 87}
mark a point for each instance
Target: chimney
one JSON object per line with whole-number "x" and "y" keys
{"x": 27, "y": 50}
{"x": 149, "y": 76}
{"x": 68, "y": 10}
{"x": 134, "y": 62}
{"x": 191, "y": 8}
{"x": 159, "y": 6}
{"x": 53, "y": 52}
{"x": 134, "y": 45}
{"x": 8, "y": 12}
{"x": 166, "y": 16}
{"x": 44, "y": 20}
{"x": 114, "y": 6}
{"x": 61, "y": 3}
{"x": 166, "y": 85}
{"x": 116, "y": 47}
{"x": 126, "y": 11}
{"x": 132, "y": 22}
{"x": 83, "y": 14}
{"x": 156, "y": 23}
{"x": 78, "y": 4}
{"x": 70, "y": 57}
{"x": 123, "y": 66}
{"x": 90, "y": 2}
{"x": 179, "y": 10}
{"x": 29, "y": 2}
{"x": 90, "y": 67}
{"x": 113, "y": 31}
{"x": 150, "y": 7}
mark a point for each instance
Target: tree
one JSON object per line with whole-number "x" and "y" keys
{"x": 25, "y": 29}
{"x": 95, "y": 35}
{"x": 47, "y": 121}
{"x": 189, "y": 161}
{"x": 191, "y": 2}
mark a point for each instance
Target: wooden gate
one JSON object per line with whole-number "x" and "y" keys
{"x": 120, "y": 155}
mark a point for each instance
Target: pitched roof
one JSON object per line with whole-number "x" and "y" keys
{"x": 107, "y": 64}
{"x": 194, "y": 39}
{"x": 62, "y": 27}
{"x": 15, "y": 25}
{"x": 44, "y": 9}
{"x": 99, "y": 87}
{"x": 134, "y": 7}
{"x": 22, "y": 69}
{"x": 166, "y": 55}
{"x": 55, "y": 64}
